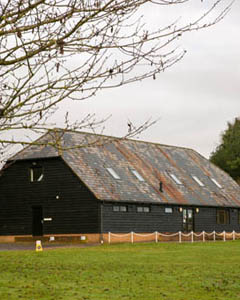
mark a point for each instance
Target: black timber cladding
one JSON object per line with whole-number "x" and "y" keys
{"x": 158, "y": 220}
{"x": 62, "y": 196}
{"x": 78, "y": 194}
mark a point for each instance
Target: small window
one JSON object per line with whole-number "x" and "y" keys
{"x": 174, "y": 177}
{"x": 216, "y": 183}
{"x": 115, "y": 208}
{"x": 135, "y": 172}
{"x": 197, "y": 180}
{"x": 222, "y": 216}
{"x": 168, "y": 210}
{"x": 113, "y": 173}
{"x": 36, "y": 174}
{"x": 144, "y": 209}
{"x": 121, "y": 208}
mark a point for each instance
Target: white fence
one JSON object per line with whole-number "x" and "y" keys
{"x": 179, "y": 235}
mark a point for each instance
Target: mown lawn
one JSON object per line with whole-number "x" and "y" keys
{"x": 168, "y": 271}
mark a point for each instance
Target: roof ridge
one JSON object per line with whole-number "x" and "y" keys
{"x": 93, "y": 134}
{"x": 129, "y": 139}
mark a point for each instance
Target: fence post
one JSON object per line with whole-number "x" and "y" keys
{"x": 224, "y": 236}
{"x": 180, "y": 237}
{"x": 214, "y": 236}
{"x": 192, "y": 236}
{"x": 203, "y": 235}
{"x": 109, "y": 237}
{"x": 132, "y": 237}
{"x": 156, "y": 236}
{"x": 233, "y": 234}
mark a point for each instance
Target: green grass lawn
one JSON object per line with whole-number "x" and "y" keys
{"x": 167, "y": 271}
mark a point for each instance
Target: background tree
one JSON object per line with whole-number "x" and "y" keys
{"x": 227, "y": 154}
{"x": 51, "y": 50}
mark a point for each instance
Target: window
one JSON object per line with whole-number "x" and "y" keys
{"x": 36, "y": 174}
{"x": 222, "y": 216}
{"x": 174, "y": 177}
{"x": 145, "y": 209}
{"x": 197, "y": 180}
{"x": 217, "y": 184}
{"x": 120, "y": 208}
{"x": 168, "y": 210}
{"x": 113, "y": 173}
{"x": 139, "y": 177}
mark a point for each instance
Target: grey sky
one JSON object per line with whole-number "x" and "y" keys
{"x": 193, "y": 100}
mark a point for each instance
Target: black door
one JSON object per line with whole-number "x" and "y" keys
{"x": 37, "y": 219}
{"x": 188, "y": 219}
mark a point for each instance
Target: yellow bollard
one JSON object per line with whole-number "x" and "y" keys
{"x": 39, "y": 246}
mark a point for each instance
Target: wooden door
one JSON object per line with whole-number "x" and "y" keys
{"x": 37, "y": 221}
{"x": 188, "y": 220}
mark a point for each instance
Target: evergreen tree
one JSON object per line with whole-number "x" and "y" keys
{"x": 227, "y": 154}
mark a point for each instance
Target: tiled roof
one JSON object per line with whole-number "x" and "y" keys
{"x": 154, "y": 162}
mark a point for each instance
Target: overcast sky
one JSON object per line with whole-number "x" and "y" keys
{"x": 193, "y": 100}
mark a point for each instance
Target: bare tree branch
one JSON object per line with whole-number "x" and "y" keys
{"x": 52, "y": 50}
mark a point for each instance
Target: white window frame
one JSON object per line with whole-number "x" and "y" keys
{"x": 120, "y": 208}
{"x": 40, "y": 178}
{"x": 31, "y": 175}
{"x": 174, "y": 177}
{"x": 137, "y": 175}
{"x": 116, "y": 208}
{"x": 143, "y": 209}
{"x": 168, "y": 210}
{"x": 198, "y": 180}
{"x": 216, "y": 183}
{"x": 113, "y": 173}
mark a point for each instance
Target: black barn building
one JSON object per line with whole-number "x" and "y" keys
{"x": 116, "y": 185}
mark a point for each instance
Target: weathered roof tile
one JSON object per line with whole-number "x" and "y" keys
{"x": 154, "y": 162}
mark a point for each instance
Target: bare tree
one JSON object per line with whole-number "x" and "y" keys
{"x": 51, "y": 50}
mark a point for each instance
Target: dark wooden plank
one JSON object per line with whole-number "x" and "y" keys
{"x": 63, "y": 197}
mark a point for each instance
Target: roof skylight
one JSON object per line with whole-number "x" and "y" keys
{"x": 174, "y": 177}
{"x": 197, "y": 180}
{"x": 135, "y": 172}
{"x": 113, "y": 173}
{"x": 217, "y": 184}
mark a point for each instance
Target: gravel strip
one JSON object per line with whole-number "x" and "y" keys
{"x": 32, "y": 246}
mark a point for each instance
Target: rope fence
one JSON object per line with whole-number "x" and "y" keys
{"x": 180, "y": 236}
